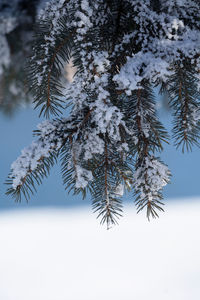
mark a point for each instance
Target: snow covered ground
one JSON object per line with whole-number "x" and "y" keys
{"x": 51, "y": 254}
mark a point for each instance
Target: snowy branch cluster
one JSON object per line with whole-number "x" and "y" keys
{"x": 173, "y": 41}
{"x": 31, "y": 157}
{"x": 122, "y": 50}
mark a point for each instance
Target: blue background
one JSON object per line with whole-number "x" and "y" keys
{"x": 16, "y": 133}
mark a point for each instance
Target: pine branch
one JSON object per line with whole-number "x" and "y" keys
{"x": 121, "y": 50}
{"x": 111, "y": 175}
{"x": 150, "y": 177}
{"x": 50, "y": 55}
{"x": 36, "y": 160}
{"x": 150, "y": 174}
{"x": 184, "y": 100}
{"x": 26, "y": 185}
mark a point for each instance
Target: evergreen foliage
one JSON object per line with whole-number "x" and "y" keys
{"x": 122, "y": 50}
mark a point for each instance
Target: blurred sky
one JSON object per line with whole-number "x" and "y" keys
{"x": 16, "y": 133}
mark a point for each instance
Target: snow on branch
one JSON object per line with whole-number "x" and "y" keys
{"x": 31, "y": 158}
{"x": 150, "y": 177}
{"x": 121, "y": 51}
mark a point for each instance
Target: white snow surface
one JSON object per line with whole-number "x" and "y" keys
{"x": 64, "y": 254}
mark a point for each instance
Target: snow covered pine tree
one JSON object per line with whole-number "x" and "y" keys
{"x": 122, "y": 50}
